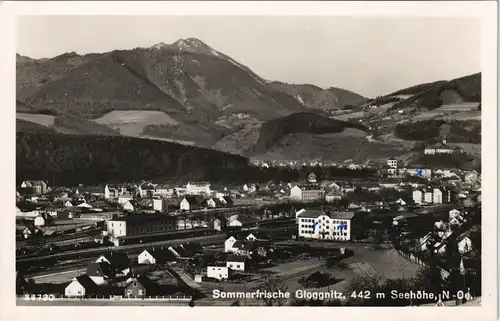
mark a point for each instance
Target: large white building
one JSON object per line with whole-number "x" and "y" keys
{"x": 307, "y": 193}
{"x": 197, "y": 188}
{"x": 431, "y": 196}
{"x": 141, "y": 224}
{"x": 219, "y": 272}
{"x": 316, "y": 224}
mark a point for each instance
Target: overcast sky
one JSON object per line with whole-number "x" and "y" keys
{"x": 366, "y": 55}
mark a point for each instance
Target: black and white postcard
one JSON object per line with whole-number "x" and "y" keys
{"x": 185, "y": 156}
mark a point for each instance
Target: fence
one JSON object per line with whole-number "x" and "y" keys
{"x": 110, "y": 298}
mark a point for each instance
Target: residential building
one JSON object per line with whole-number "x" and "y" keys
{"x": 123, "y": 199}
{"x": 128, "y": 206}
{"x": 237, "y": 262}
{"x": 119, "y": 262}
{"x": 220, "y": 224}
{"x": 179, "y": 252}
{"x": 197, "y": 188}
{"x": 422, "y": 172}
{"x": 100, "y": 273}
{"x": 311, "y": 178}
{"x": 441, "y": 148}
{"x": 80, "y": 286}
{"x": 307, "y": 193}
{"x": 235, "y": 223}
{"x": 156, "y": 256}
{"x": 418, "y": 196}
{"x": 316, "y": 224}
{"x": 210, "y": 203}
{"x": 453, "y": 213}
{"x": 392, "y": 163}
{"x": 140, "y": 287}
{"x": 428, "y": 196}
{"x": 464, "y": 243}
{"x": 228, "y": 244}
{"x": 141, "y": 224}
{"x": 190, "y": 203}
{"x": 437, "y": 196}
{"x": 219, "y": 272}
{"x": 333, "y": 196}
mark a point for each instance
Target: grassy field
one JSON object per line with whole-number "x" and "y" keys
{"x": 333, "y": 148}
{"x": 44, "y": 120}
{"x": 132, "y": 122}
{"x": 466, "y": 115}
{"x": 59, "y": 277}
{"x": 345, "y": 117}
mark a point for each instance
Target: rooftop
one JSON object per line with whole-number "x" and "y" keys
{"x": 331, "y": 214}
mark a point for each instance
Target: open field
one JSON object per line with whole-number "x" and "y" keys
{"x": 59, "y": 277}
{"x": 473, "y": 149}
{"x": 466, "y": 115}
{"x": 288, "y": 269}
{"x": 44, "y": 120}
{"x": 345, "y": 117}
{"x": 132, "y": 122}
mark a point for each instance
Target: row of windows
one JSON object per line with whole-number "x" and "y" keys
{"x": 333, "y": 233}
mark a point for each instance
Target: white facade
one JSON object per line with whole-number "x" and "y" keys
{"x": 306, "y": 194}
{"x": 39, "y": 221}
{"x": 158, "y": 204}
{"x": 211, "y": 203}
{"x": 128, "y": 206}
{"x": 437, "y": 196}
{"x": 146, "y": 258}
{"x": 392, "y": 163}
{"x": 218, "y": 272}
{"x": 198, "y": 188}
{"x": 184, "y": 205}
{"x": 228, "y": 244}
{"x": 428, "y": 197}
{"x": 235, "y": 223}
{"x": 418, "y": 196}
{"x": 465, "y": 245}
{"x": 124, "y": 199}
{"x": 74, "y": 289}
{"x": 99, "y": 280}
{"x": 236, "y": 266}
{"x": 324, "y": 227}
{"x": 454, "y": 213}
{"x": 116, "y": 228}
{"x": 84, "y": 205}
{"x": 251, "y": 237}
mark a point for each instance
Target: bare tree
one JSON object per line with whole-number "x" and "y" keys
{"x": 272, "y": 285}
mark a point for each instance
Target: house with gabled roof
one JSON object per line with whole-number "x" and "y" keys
{"x": 237, "y": 262}
{"x": 179, "y": 252}
{"x": 229, "y": 244}
{"x": 119, "y": 262}
{"x": 464, "y": 243}
{"x": 190, "y": 202}
{"x": 156, "y": 256}
{"x": 101, "y": 273}
{"x": 140, "y": 287}
{"x": 439, "y": 248}
{"x": 81, "y": 286}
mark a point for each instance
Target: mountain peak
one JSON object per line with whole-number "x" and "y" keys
{"x": 159, "y": 45}
{"x": 194, "y": 45}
